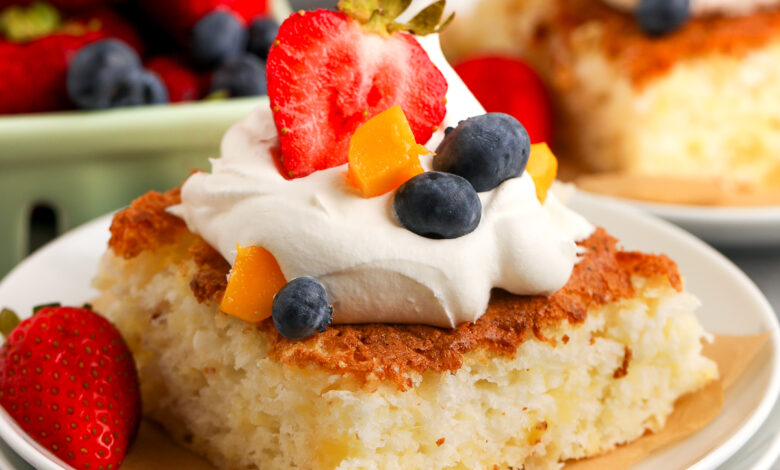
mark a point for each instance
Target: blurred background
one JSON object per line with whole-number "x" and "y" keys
{"x": 60, "y": 166}
{"x": 74, "y": 146}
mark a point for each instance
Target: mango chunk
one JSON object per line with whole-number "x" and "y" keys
{"x": 543, "y": 168}
{"x": 383, "y": 154}
{"x": 254, "y": 280}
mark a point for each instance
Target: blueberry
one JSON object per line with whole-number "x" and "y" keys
{"x": 301, "y": 309}
{"x": 136, "y": 88}
{"x": 217, "y": 38}
{"x": 486, "y": 150}
{"x": 108, "y": 74}
{"x": 659, "y": 17}
{"x": 262, "y": 34}
{"x": 244, "y": 76}
{"x": 438, "y": 205}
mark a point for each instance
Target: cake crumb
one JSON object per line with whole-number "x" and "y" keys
{"x": 622, "y": 371}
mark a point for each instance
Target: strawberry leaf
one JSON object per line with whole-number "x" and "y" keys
{"x": 378, "y": 16}
{"x": 361, "y": 10}
{"x": 24, "y": 24}
{"x": 428, "y": 21}
{"x": 392, "y": 9}
{"x": 8, "y": 321}
{"x": 38, "y": 308}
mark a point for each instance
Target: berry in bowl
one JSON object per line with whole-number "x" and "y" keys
{"x": 101, "y": 101}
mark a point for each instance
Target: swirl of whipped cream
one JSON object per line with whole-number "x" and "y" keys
{"x": 706, "y": 7}
{"x": 373, "y": 269}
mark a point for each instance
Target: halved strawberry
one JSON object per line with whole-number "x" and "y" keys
{"x": 329, "y": 72}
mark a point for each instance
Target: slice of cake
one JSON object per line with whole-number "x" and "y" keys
{"x": 693, "y": 103}
{"x": 335, "y": 294}
{"x": 534, "y": 381}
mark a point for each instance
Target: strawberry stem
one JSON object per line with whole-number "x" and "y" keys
{"x": 8, "y": 321}
{"x": 38, "y": 308}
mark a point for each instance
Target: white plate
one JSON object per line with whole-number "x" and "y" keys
{"x": 62, "y": 271}
{"x": 720, "y": 226}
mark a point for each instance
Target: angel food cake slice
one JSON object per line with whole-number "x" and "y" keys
{"x": 534, "y": 381}
{"x": 335, "y": 294}
{"x": 655, "y": 90}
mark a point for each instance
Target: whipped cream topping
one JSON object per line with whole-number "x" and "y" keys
{"x": 373, "y": 269}
{"x": 707, "y": 7}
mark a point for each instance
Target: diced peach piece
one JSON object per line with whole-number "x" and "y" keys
{"x": 383, "y": 153}
{"x": 254, "y": 280}
{"x": 543, "y": 168}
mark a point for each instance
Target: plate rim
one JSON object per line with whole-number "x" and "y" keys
{"x": 726, "y": 214}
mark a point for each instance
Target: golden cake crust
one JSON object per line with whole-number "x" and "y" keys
{"x": 146, "y": 225}
{"x": 644, "y": 57}
{"x": 379, "y": 352}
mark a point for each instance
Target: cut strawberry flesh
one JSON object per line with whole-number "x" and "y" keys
{"x": 327, "y": 76}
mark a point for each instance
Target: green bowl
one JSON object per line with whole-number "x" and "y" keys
{"x": 84, "y": 164}
{"x": 81, "y": 164}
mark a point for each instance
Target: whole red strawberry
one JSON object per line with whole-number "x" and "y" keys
{"x": 68, "y": 379}
{"x": 32, "y": 75}
{"x": 179, "y": 16}
{"x": 329, "y": 72}
{"x": 33, "y": 72}
{"x": 182, "y": 83}
{"x": 510, "y": 86}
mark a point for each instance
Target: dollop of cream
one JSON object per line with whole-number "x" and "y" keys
{"x": 708, "y": 7}
{"x": 373, "y": 269}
